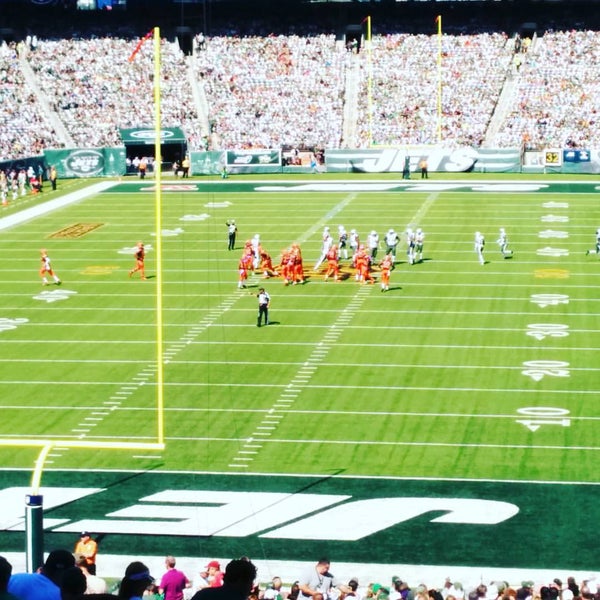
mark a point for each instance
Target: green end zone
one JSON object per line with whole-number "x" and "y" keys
{"x": 352, "y": 520}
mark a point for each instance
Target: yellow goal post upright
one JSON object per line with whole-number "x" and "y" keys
{"x": 34, "y": 528}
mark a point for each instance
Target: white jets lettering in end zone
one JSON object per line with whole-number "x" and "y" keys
{"x": 284, "y": 516}
{"x": 12, "y": 500}
{"x": 544, "y": 300}
{"x": 8, "y": 324}
{"x": 50, "y": 296}
{"x": 201, "y": 217}
{"x": 538, "y": 369}
{"x": 133, "y": 249}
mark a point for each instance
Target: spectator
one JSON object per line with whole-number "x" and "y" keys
{"x": 46, "y": 582}
{"x": 238, "y": 581}
{"x": 5, "y": 573}
{"x": 137, "y": 578}
{"x": 173, "y": 582}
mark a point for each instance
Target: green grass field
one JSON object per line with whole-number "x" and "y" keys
{"x": 460, "y": 372}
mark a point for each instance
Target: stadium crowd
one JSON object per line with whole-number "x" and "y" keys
{"x": 404, "y": 84}
{"x": 556, "y": 90}
{"x": 275, "y": 90}
{"x": 95, "y": 89}
{"x": 24, "y": 129}
{"x": 64, "y": 577}
{"x": 292, "y": 90}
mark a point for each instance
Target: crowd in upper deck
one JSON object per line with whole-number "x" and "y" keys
{"x": 293, "y": 90}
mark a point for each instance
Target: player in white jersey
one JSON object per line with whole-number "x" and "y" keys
{"x": 391, "y": 240}
{"x": 479, "y": 246}
{"x": 354, "y": 241}
{"x": 326, "y": 243}
{"x": 255, "y": 243}
{"x": 343, "y": 241}
{"x": 410, "y": 246}
{"x": 419, "y": 241}
{"x": 595, "y": 250}
{"x": 373, "y": 244}
{"x": 503, "y": 243}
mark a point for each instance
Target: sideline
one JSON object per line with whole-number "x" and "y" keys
{"x": 42, "y": 209}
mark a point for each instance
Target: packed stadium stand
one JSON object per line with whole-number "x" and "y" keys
{"x": 297, "y": 83}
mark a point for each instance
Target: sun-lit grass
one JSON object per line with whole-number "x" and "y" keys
{"x": 427, "y": 379}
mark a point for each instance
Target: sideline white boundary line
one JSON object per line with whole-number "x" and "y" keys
{"x": 47, "y": 207}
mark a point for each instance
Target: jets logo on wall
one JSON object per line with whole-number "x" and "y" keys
{"x": 85, "y": 163}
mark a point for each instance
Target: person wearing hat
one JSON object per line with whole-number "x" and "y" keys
{"x": 137, "y": 578}
{"x": 45, "y": 583}
{"x": 212, "y": 576}
{"x": 88, "y": 548}
{"x": 238, "y": 581}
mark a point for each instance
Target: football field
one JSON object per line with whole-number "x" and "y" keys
{"x": 460, "y": 405}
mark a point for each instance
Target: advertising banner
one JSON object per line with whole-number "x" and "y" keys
{"x": 146, "y": 136}
{"x": 254, "y": 161}
{"x": 207, "y": 163}
{"x": 439, "y": 160}
{"x": 87, "y": 162}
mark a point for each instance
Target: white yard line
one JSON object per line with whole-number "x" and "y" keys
{"x": 47, "y": 207}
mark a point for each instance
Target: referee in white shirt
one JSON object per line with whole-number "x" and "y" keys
{"x": 264, "y": 300}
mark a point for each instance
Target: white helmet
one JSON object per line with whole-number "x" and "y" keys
{"x": 502, "y": 230}
{"x": 419, "y": 230}
{"x": 353, "y": 231}
{"x": 391, "y": 231}
{"x": 373, "y": 232}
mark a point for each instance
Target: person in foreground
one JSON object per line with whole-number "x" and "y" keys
{"x": 45, "y": 584}
{"x": 237, "y": 583}
{"x": 137, "y": 579}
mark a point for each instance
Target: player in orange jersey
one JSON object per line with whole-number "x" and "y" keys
{"x": 286, "y": 265}
{"x": 46, "y": 269}
{"x": 140, "y": 255}
{"x": 244, "y": 266}
{"x": 298, "y": 268}
{"x": 387, "y": 264}
{"x": 333, "y": 267}
{"x": 266, "y": 265}
{"x": 363, "y": 265}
